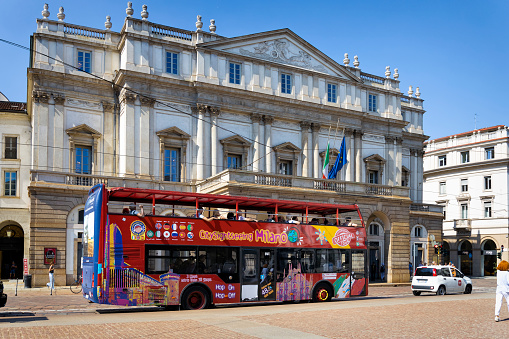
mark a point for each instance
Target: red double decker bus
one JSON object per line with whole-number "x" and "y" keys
{"x": 195, "y": 261}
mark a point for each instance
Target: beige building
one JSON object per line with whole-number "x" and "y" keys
{"x": 467, "y": 174}
{"x": 154, "y": 106}
{"x": 15, "y": 143}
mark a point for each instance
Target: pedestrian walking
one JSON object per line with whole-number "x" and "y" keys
{"x": 13, "y": 270}
{"x": 51, "y": 283}
{"x": 382, "y": 271}
{"x": 410, "y": 269}
{"x": 502, "y": 287}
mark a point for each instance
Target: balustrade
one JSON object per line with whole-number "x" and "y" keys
{"x": 85, "y": 32}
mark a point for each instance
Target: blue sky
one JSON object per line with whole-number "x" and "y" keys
{"x": 455, "y": 51}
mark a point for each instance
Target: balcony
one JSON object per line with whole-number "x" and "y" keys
{"x": 248, "y": 178}
{"x": 217, "y": 183}
{"x": 84, "y": 182}
{"x": 463, "y": 225}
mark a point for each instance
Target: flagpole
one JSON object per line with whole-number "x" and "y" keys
{"x": 335, "y": 134}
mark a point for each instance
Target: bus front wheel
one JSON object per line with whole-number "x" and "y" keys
{"x": 195, "y": 298}
{"x": 322, "y": 292}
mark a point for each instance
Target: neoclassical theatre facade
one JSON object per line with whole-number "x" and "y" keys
{"x": 154, "y": 106}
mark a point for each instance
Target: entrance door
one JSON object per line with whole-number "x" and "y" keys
{"x": 80, "y": 256}
{"x": 250, "y": 280}
{"x": 358, "y": 283}
{"x": 267, "y": 289}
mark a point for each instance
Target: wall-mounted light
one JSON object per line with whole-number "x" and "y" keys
{"x": 9, "y": 233}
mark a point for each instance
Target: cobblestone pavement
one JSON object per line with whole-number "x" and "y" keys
{"x": 389, "y": 311}
{"x": 39, "y": 300}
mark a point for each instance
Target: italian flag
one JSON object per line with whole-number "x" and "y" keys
{"x": 325, "y": 170}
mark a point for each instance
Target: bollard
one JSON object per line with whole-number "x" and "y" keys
{"x": 16, "y": 293}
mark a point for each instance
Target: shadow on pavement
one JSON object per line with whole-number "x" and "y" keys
{"x": 130, "y": 310}
{"x": 19, "y": 317}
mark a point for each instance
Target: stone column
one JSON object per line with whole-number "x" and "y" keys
{"x": 143, "y": 158}
{"x": 268, "y": 144}
{"x": 58, "y": 133}
{"x": 40, "y": 130}
{"x": 358, "y": 156}
{"x": 399, "y": 161}
{"x": 414, "y": 174}
{"x": 315, "y": 128}
{"x": 257, "y": 146}
{"x": 200, "y": 142}
{"x": 305, "y": 125}
{"x": 350, "y": 166}
{"x": 126, "y": 143}
{"x": 420, "y": 175}
{"x": 216, "y": 167}
{"x": 390, "y": 161}
{"x": 108, "y": 158}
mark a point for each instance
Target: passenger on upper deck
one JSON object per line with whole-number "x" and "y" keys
{"x": 294, "y": 220}
{"x": 133, "y": 211}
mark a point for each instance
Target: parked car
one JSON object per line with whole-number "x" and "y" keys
{"x": 440, "y": 280}
{"x": 3, "y": 297}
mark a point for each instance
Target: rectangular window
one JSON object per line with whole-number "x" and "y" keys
{"x": 285, "y": 167}
{"x": 81, "y": 217}
{"x": 234, "y": 161}
{"x": 172, "y": 164}
{"x": 464, "y": 185}
{"x": 489, "y": 153}
{"x": 373, "y": 229}
{"x": 331, "y": 93}
{"x": 487, "y": 182}
{"x": 464, "y": 211}
{"x": 442, "y": 187}
{"x": 172, "y": 63}
{"x": 487, "y": 209}
{"x": 234, "y": 73}
{"x": 10, "y": 184}
{"x": 465, "y": 157}
{"x": 372, "y": 103}
{"x": 442, "y": 160}
{"x": 286, "y": 83}
{"x": 84, "y": 61}
{"x": 11, "y": 148}
{"x": 83, "y": 163}
{"x": 373, "y": 177}
{"x": 332, "y": 261}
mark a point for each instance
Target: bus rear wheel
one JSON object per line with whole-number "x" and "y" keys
{"x": 195, "y": 298}
{"x": 322, "y": 292}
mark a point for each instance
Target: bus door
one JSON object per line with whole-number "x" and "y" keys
{"x": 250, "y": 278}
{"x": 359, "y": 281}
{"x": 267, "y": 280}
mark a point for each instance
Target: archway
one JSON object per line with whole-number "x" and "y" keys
{"x": 488, "y": 258}
{"x": 11, "y": 250}
{"x": 465, "y": 257}
{"x": 376, "y": 249}
{"x": 418, "y": 246}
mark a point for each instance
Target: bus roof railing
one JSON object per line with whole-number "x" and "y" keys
{"x": 223, "y": 201}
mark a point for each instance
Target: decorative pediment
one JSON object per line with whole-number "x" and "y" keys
{"x": 375, "y": 158}
{"x": 332, "y": 152}
{"x": 287, "y": 147}
{"x": 404, "y": 169}
{"x": 281, "y": 46}
{"x": 235, "y": 140}
{"x": 173, "y": 133}
{"x": 83, "y": 130}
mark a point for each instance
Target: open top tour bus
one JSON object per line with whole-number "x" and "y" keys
{"x": 185, "y": 258}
